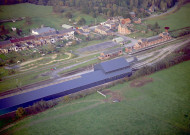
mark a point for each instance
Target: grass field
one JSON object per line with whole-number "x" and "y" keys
{"x": 159, "y": 107}
{"x": 176, "y": 20}
{"x": 39, "y": 15}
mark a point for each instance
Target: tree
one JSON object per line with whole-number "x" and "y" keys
{"x": 109, "y": 13}
{"x": 20, "y": 112}
{"x": 163, "y": 5}
{"x": 68, "y": 15}
{"x": 28, "y": 21}
{"x": 81, "y": 21}
{"x": 58, "y": 9}
{"x": 156, "y": 25}
{"x": 19, "y": 31}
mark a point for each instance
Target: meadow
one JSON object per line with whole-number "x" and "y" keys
{"x": 158, "y": 107}
{"x": 40, "y": 15}
{"x": 176, "y": 20}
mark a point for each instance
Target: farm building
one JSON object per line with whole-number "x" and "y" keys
{"x": 103, "y": 72}
{"x": 110, "y": 53}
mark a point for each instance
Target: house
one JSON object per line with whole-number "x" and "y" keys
{"x": 103, "y": 30}
{"x": 129, "y": 48}
{"x": 127, "y": 20}
{"x": 81, "y": 32}
{"x": 132, "y": 14}
{"x": 137, "y": 20}
{"x": 110, "y": 54}
{"x": 85, "y": 28}
{"x": 42, "y": 30}
{"x": 123, "y": 29}
{"x": 152, "y": 40}
{"x": 3, "y": 51}
{"x": 65, "y": 26}
{"x": 4, "y": 44}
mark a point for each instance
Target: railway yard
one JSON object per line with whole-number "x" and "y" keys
{"x": 73, "y": 68}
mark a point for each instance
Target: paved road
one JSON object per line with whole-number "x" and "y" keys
{"x": 97, "y": 47}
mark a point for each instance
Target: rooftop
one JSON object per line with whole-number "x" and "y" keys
{"x": 5, "y": 42}
{"x": 43, "y": 30}
{"x": 112, "y": 65}
{"x": 22, "y": 39}
{"x": 65, "y": 26}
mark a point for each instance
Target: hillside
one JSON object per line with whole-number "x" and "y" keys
{"x": 155, "y": 104}
{"x": 40, "y": 15}
{"x": 176, "y": 20}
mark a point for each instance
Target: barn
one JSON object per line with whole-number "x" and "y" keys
{"x": 103, "y": 72}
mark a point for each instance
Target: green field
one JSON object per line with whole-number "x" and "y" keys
{"x": 160, "y": 107}
{"x": 177, "y": 20}
{"x": 40, "y": 15}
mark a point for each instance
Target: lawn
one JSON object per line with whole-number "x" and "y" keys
{"x": 159, "y": 107}
{"x": 177, "y": 20}
{"x": 40, "y": 15}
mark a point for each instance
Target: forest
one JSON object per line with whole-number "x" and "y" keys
{"x": 108, "y": 8}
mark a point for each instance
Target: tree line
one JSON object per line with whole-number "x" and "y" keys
{"x": 106, "y": 7}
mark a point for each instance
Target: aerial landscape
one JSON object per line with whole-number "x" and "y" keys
{"x": 95, "y": 67}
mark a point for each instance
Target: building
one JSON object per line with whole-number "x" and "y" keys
{"x": 110, "y": 54}
{"x": 137, "y": 20}
{"x": 123, "y": 29}
{"x": 127, "y": 20}
{"x": 129, "y": 48}
{"x": 103, "y": 30}
{"x": 42, "y": 30}
{"x": 152, "y": 40}
{"x": 132, "y": 14}
{"x": 37, "y": 39}
{"x": 85, "y": 28}
{"x": 81, "y": 32}
{"x": 118, "y": 40}
{"x": 65, "y": 26}
{"x": 4, "y": 44}
{"x": 103, "y": 73}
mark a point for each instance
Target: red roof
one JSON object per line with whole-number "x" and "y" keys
{"x": 22, "y": 39}
{"x": 124, "y": 21}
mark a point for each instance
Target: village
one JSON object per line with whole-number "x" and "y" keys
{"x": 70, "y": 35}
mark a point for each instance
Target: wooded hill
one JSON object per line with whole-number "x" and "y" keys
{"x": 106, "y": 7}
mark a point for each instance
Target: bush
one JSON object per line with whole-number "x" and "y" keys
{"x": 20, "y": 112}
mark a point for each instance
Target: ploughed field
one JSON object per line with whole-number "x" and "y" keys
{"x": 156, "y": 104}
